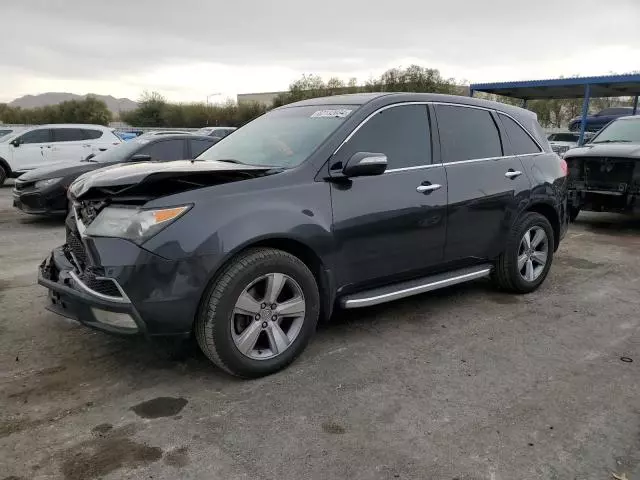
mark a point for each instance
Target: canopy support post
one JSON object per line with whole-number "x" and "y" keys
{"x": 585, "y": 112}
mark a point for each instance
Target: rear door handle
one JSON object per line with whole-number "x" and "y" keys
{"x": 428, "y": 188}
{"x": 513, "y": 173}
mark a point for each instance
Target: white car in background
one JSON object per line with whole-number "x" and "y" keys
{"x": 45, "y": 145}
{"x": 562, "y": 141}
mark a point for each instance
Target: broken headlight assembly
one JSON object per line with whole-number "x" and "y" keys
{"x": 137, "y": 225}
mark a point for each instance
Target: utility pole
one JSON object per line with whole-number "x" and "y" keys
{"x": 208, "y": 96}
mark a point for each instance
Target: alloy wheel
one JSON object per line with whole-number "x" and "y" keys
{"x": 268, "y": 316}
{"x": 533, "y": 253}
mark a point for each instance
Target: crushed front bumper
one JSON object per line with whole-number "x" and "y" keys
{"x": 74, "y": 298}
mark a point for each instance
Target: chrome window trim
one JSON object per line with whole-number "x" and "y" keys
{"x": 486, "y": 109}
{"x": 473, "y": 160}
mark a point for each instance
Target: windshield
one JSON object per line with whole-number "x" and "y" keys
{"x": 625, "y": 130}
{"x": 281, "y": 138}
{"x": 203, "y": 131}
{"x": 4, "y": 132}
{"x": 120, "y": 152}
{"x": 563, "y": 137}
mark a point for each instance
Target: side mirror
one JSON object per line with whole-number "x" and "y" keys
{"x": 140, "y": 158}
{"x": 15, "y": 142}
{"x": 364, "y": 164}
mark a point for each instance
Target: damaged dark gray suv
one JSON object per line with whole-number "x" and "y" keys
{"x": 350, "y": 200}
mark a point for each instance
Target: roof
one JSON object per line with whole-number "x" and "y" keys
{"x": 603, "y": 86}
{"x": 347, "y": 99}
{"x": 396, "y": 97}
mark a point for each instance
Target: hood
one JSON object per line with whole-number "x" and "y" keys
{"x": 629, "y": 150}
{"x": 59, "y": 170}
{"x": 148, "y": 180}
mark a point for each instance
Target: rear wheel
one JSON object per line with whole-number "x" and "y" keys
{"x": 259, "y": 314}
{"x": 3, "y": 175}
{"x": 528, "y": 255}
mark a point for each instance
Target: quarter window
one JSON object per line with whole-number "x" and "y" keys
{"x": 401, "y": 133}
{"x": 467, "y": 134}
{"x": 164, "y": 150}
{"x": 41, "y": 135}
{"x": 198, "y": 146}
{"x": 91, "y": 134}
{"x": 521, "y": 142}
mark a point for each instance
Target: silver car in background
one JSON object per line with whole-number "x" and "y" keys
{"x": 562, "y": 141}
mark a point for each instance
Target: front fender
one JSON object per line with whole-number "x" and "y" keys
{"x": 218, "y": 227}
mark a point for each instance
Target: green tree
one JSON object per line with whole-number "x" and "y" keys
{"x": 151, "y": 111}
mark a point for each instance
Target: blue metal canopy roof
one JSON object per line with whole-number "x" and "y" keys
{"x": 604, "y": 86}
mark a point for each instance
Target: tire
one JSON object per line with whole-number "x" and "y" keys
{"x": 220, "y": 325}
{"x": 507, "y": 275}
{"x": 573, "y": 213}
{"x": 3, "y": 175}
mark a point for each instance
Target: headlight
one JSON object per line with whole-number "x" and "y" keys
{"x": 40, "y": 184}
{"x": 133, "y": 224}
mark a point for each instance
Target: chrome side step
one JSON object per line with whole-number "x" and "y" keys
{"x": 414, "y": 287}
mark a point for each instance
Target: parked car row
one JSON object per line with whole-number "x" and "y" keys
{"x": 44, "y": 145}
{"x": 598, "y": 120}
{"x": 346, "y": 201}
{"x": 217, "y": 132}
{"x": 43, "y": 191}
{"x": 562, "y": 141}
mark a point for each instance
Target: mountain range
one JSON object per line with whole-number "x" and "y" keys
{"x": 53, "y": 98}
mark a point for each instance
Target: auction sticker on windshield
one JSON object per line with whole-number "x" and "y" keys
{"x": 339, "y": 113}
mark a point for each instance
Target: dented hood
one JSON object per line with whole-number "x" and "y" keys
{"x": 118, "y": 178}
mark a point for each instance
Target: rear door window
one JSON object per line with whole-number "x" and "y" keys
{"x": 164, "y": 150}
{"x": 521, "y": 141}
{"x": 40, "y": 135}
{"x": 402, "y": 133}
{"x": 67, "y": 135}
{"x": 467, "y": 134}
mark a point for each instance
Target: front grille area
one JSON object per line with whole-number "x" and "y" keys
{"x": 76, "y": 247}
{"x": 604, "y": 173}
{"x": 104, "y": 286}
{"x": 88, "y": 274}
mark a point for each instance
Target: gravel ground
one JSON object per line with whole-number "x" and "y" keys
{"x": 464, "y": 383}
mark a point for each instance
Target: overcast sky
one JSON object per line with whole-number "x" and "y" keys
{"x": 188, "y": 49}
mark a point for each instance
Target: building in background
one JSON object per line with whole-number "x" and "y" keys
{"x": 265, "y": 98}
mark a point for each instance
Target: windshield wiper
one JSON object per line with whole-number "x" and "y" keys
{"x": 613, "y": 141}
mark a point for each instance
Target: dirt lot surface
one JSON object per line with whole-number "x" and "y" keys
{"x": 464, "y": 383}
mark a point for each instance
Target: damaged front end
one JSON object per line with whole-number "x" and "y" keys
{"x": 103, "y": 276}
{"x": 604, "y": 183}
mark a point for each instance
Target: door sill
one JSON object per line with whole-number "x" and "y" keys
{"x": 414, "y": 287}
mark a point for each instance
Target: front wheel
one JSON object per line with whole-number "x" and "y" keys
{"x": 528, "y": 255}
{"x": 259, "y": 314}
{"x": 3, "y": 175}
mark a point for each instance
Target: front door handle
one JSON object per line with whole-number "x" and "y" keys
{"x": 428, "y": 188}
{"x": 513, "y": 173}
